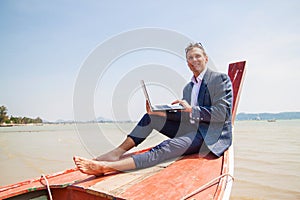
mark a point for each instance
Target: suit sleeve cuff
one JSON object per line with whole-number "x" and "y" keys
{"x": 196, "y": 113}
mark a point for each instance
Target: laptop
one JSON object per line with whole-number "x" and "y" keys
{"x": 167, "y": 107}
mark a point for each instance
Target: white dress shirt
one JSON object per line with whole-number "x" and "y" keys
{"x": 195, "y": 91}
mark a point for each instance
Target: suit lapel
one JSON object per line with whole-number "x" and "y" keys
{"x": 189, "y": 92}
{"x": 203, "y": 87}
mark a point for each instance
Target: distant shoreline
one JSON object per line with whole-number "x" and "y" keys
{"x": 124, "y": 122}
{"x": 65, "y": 123}
{"x": 30, "y": 124}
{"x": 268, "y": 116}
{"x": 239, "y": 117}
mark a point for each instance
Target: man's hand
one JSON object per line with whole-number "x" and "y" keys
{"x": 186, "y": 105}
{"x": 148, "y": 109}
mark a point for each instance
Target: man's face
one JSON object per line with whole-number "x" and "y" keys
{"x": 196, "y": 60}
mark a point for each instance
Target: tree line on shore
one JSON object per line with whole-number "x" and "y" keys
{"x": 5, "y": 119}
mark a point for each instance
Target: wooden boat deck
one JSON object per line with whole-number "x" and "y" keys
{"x": 168, "y": 180}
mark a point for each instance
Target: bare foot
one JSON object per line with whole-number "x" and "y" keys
{"x": 113, "y": 155}
{"x": 88, "y": 166}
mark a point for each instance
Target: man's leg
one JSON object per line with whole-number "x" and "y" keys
{"x": 168, "y": 149}
{"x": 137, "y": 135}
{"x": 116, "y": 153}
{"x": 99, "y": 168}
{"x": 143, "y": 129}
{"x": 168, "y": 128}
{"x": 185, "y": 144}
{"x": 172, "y": 148}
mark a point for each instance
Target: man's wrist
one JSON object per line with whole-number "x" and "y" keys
{"x": 195, "y": 114}
{"x": 189, "y": 109}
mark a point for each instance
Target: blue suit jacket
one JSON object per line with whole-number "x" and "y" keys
{"x": 213, "y": 113}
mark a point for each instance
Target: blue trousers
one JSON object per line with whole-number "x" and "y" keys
{"x": 184, "y": 139}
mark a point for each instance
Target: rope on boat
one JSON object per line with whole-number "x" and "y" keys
{"x": 207, "y": 185}
{"x": 48, "y": 186}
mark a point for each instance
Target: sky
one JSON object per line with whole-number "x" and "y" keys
{"x": 45, "y": 45}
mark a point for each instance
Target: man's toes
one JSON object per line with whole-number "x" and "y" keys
{"x": 76, "y": 159}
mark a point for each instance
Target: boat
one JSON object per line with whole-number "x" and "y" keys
{"x": 190, "y": 177}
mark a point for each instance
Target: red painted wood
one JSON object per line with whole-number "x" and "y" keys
{"x": 236, "y": 72}
{"x": 179, "y": 179}
{"x": 61, "y": 179}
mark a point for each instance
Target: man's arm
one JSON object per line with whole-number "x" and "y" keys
{"x": 221, "y": 100}
{"x": 220, "y": 109}
{"x": 149, "y": 111}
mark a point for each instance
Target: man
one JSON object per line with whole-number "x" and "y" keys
{"x": 204, "y": 125}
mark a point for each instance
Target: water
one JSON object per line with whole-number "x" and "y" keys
{"x": 267, "y": 154}
{"x": 267, "y": 160}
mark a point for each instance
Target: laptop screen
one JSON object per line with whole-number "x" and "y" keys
{"x": 145, "y": 91}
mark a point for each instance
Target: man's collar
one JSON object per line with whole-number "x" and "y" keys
{"x": 200, "y": 77}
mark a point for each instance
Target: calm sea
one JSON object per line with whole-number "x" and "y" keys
{"x": 267, "y": 154}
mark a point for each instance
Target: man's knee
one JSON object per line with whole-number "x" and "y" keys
{"x": 171, "y": 148}
{"x": 145, "y": 121}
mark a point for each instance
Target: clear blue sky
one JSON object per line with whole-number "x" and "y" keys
{"x": 44, "y": 43}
